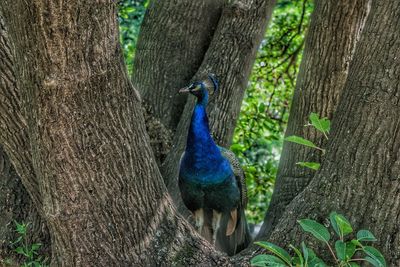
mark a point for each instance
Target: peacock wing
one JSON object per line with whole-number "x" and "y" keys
{"x": 237, "y": 235}
{"x": 239, "y": 174}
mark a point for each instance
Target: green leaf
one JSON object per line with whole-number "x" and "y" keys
{"x": 261, "y": 108}
{"x": 278, "y": 251}
{"x": 301, "y": 141}
{"x": 237, "y": 148}
{"x": 260, "y": 260}
{"x": 316, "y": 229}
{"x": 340, "y": 224}
{"x": 375, "y": 254}
{"x": 313, "y": 260}
{"x": 312, "y": 165}
{"x": 21, "y": 251}
{"x": 267, "y": 260}
{"x": 321, "y": 124}
{"x": 332, "y": 218}
{"x": 311, "y": 253}
{"x": 21, "y": 228}
{"x": 296, "y": 261}
{"x": 344, "y": 224}
{"x": 298, "y": 253}
{"x": 353, "y": 264}
{"x": 305, "y": 252}
{"x": 340, "y": 248}
{"x": 36, "y": 246}
{"x": 365, "y": 235}
{"x": 357, "y": 243}
{"x": 129, "y": 9}
{"x": 317, "y": 262}
{"x": 344, "y": 251}
{"x": 373, "y": 261}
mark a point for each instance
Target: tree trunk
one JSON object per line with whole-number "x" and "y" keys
{"x": 333, "y": 33}
{"x": 360, "y": 175}
{"x": 103, "y": 197}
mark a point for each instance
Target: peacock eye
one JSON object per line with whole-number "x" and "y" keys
{"x": 196, "y": 87}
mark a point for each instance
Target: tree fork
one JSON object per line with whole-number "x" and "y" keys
{"x": 230, "y": 55}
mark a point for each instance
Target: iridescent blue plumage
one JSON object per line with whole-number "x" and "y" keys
{"x": 202, "y": 161}
{"x": 209, "y": 186}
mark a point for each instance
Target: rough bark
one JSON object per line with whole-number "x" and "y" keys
{"x": 360, "y": 175}
{"x": 160, "y": 135}
{"x": 333, "y": 34}
{"x": 174, "y": 37}
{"x": 230, "y": 56}
{"x": 13, "y": 126}
{"x": 15, "y": 202}
{"x": 103, "y": 197}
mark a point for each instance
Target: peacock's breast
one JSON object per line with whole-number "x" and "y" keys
{"x": 205, "y": 171}
{"x": 221, "y": 196}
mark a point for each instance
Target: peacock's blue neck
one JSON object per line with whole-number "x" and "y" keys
{"x": 203, "y": 161}
{"x": 199, "y": 134}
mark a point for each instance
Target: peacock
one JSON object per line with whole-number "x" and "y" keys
{"x": 211, "y": 181}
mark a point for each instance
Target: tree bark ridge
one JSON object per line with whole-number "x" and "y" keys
{"x": 13, "y": 125}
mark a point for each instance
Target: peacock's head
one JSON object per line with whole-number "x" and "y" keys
{"x": 202, "y": 89}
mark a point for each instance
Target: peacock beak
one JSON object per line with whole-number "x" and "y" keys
{"x": 184, "y": 90}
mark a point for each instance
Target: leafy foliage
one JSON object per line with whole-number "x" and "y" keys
{"x": 301, "y": 141}
{"x": 130, "y": 15}
{"x": 340, "y": 224}
{"x": 322, "y": 125}
{"x": 365, "y": 235}
{"x": 348, "y": 252}
{"x": 280, "y": 252}
{"x": 29, "y": 252}
{"x": 316, "y": 229}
